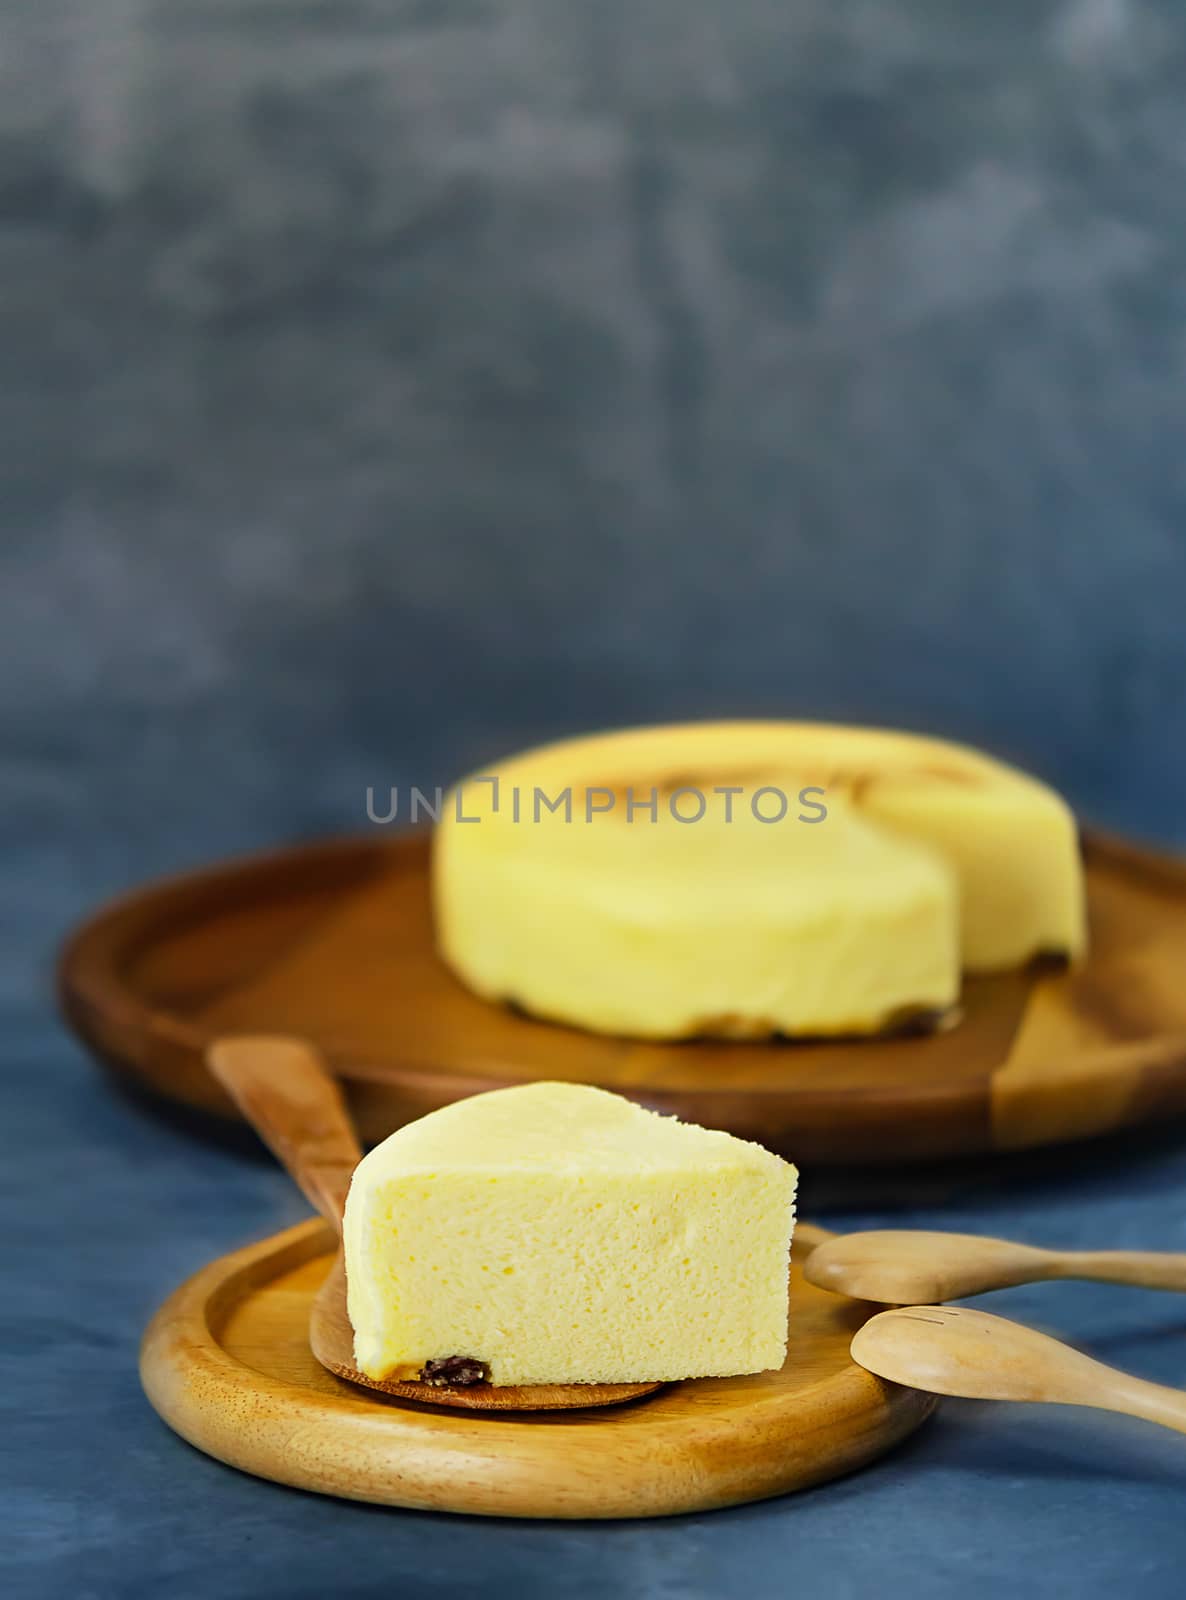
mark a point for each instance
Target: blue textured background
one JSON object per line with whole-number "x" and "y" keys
{"x": 386, "y": 383}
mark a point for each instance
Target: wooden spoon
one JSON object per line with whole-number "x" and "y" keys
{"x": 295, "y": 1105}
{"x": 959, "y": 1351}
{"x": 899, "y": 1267}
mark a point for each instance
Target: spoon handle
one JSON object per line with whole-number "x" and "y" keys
{"x": 1136, "y": 1397}
{"x": 1145, "y": 1269}
{"x": 293, "y": 1102}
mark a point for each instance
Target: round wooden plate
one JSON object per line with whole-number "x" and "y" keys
{"x": 226, "y": 1363}
{"x": 333, "y": 942}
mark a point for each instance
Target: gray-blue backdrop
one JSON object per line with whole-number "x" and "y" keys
{"x": 386, "y": 384}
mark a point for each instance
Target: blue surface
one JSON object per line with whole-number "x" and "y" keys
{"x": 118, "y": 1205}
{"x": 388, "y": 385}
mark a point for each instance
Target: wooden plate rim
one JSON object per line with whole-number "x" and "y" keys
{"x": 223, "y": 1406}
{"x": 96, "y": 1000}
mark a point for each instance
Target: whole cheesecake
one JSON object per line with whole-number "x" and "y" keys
{"x": 556, "y": 1233}
{"x": 744, "y": 879}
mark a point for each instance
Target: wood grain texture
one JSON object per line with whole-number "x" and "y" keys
{"x": 227, "y": 1364}
{"x": 959, "y": 1350}
{"x": 334, "y": 942}
{"x": 909, "y": 1267}
{"x": 284, "y": 1089}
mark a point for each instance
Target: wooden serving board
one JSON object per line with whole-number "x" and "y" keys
{"x": 226, "y": 1363}
{"x": 333, "y": 942}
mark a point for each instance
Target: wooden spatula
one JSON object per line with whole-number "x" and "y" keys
{"x": 959, "y": 1351}
{"x": 903, "y": 1266}
{"x": 295, "y": 1105}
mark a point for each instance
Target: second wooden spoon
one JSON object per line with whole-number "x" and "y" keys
{"x": 900, "y": 1267}
{"x": 957, "y": 1350}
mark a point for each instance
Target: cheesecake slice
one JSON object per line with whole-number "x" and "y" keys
{"x": 556, "y": 1233}
{"x": 748, "y": 879}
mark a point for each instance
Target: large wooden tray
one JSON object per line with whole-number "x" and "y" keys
{"x": 334, "y": 942}
{"x": 226, "y": 1362}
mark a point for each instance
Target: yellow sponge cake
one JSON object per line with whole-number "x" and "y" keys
{"x": 555, "y": 1233}
{"x": 747, "y": 879}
